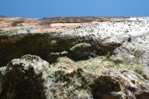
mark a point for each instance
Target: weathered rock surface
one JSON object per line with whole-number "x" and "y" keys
{"x": 30, "y": 77}
{"x": 84, "y": 58}
{"x": 98, "y": 38}
{"x": 43, "y": 39}
{"x": 25, "y": 78}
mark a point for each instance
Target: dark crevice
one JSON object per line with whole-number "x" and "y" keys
{"x": 43, "y": 44}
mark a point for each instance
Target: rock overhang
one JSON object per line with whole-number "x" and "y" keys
{"x": 117, "y": 45}
{"x": 108, "y": 34}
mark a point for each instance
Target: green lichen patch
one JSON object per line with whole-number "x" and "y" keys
{"x": 80, "y": 45}
{"x": 95, "y": 78}
{"x": 52, "y": 56}
{"x": 65, "y": 64}
{"x": 84, "y": 84}
{"x": 76, "y": 82}
{"x": 82, "y": 51}
{"x": 53, "y": 42}
{"x": 102, "y": 63}
{"x": 90, "y": 79}
{"x": 96, "y": 65}
{"x": 56, "y": 91}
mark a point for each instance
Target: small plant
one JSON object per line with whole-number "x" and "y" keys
{"x": 80, "y": 45}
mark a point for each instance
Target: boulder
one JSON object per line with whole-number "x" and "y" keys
{"x": 25, "y": 78}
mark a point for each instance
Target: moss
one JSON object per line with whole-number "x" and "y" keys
{"x": 87, "y": 79}
{"x": 52, "y": 57}
{"x": 52, "y": 70}
{"x": 80, "y": 83}
{"x": 80, "y": 45}
{"x": 53, "y": 42}
{"x": 82, "y": 51}
{"x": 98, "y": 65}
{"x": 101, "y": 63}
{"x": 74, "y": 83}
{"x": 139, "y": 69}
{"x": 57, "y": 92}
{"x": 63, "y": 53}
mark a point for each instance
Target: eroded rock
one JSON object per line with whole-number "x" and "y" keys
{"x": 32, "y": 77}
{"x": 124, "y": 38}
{"x": 25, "y": 78}
{"x": 97, "y": 59}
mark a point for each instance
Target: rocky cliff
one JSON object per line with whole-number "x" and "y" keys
{"x": 74, "y": 58}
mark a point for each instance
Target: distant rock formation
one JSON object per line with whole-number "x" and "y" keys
{"x": 81, "y": 57}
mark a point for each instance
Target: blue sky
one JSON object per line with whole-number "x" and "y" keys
{"x": 52, "y": 8}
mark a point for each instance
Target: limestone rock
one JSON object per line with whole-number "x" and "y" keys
{"x": 25, "y": 78}
{"x": 29, "y": 36}
{"x": 125, "y": 39}
{"x": 74, "y": 58}
{"x": 32, "y": 77}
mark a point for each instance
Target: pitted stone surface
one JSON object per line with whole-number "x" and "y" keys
{"x": 29, "y": 74}
{"x": 124, "y": 38}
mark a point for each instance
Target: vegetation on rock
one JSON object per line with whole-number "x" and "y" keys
{"x": 103, "y": 60}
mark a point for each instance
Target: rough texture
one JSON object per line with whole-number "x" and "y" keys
{"x": 98, "y": 38}
{"x": 32, "y": 77}
{"x": 25, "y": 78}
{"x": 42, "y": 39}
{"x": 81, "y": 58}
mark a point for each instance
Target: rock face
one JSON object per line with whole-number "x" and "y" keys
{"x": 74, "y": 58}
{"x": 41, "y": 39}
{"x": 25, "y": 78}
{"x": 98, "y": 38}
{"x": 32, "y": 77}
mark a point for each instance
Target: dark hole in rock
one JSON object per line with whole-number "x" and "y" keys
{"x": 129, "y": 39}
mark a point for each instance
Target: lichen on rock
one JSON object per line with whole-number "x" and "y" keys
{"x": 98, "y": 58}
{"x": 69, "y": 79}
{"x": 25, "y": 78}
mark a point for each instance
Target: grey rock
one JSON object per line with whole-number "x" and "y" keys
{"x": 121, "y": 41}
{"x": 125, "y": 39}
{"x": 30, "y": 77}
{"x": 25, "y": 78}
